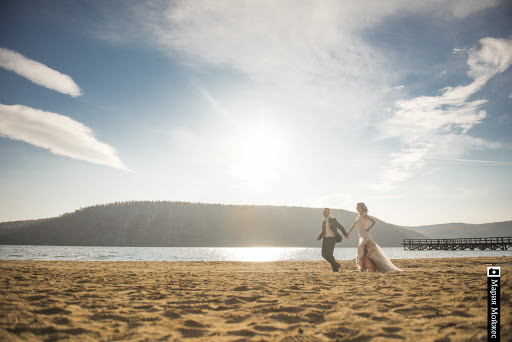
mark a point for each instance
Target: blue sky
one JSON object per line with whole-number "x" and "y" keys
{"x": 402, "y": 105}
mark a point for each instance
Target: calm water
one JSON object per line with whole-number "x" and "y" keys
{"x": 91, "y": 253}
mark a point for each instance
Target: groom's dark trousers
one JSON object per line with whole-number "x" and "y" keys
{"x": 328, "y": 252}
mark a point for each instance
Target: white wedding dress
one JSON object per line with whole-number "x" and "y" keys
{"x": 370, "y": 256}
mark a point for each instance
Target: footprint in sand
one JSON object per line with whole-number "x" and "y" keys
{"x": 446, "y": 325}
{"x": 244, "y": 332}
{"x": 143, "y": 307}
{"x": 424, "y": 312}
{"x": 250, "y": 298}
{"x": 53, "y": 311}
{"x": 241, "y": 288}
{"x": 289, "y": 319}
{"x": 301, "y": 338}
{"x": 233, "y": 319}
{"x": 75, "y": 331}
{"x": 232, "y": 300}
{"x": 364, "y": 314}
{"x": 195, "y": 311}
{"x": 171, "y": 314}
{"x": 265, "y": 328}
{"x": 35, "y": 331}
{"x": 191, "y": 332}
{"x": 391, "y": 336}
{"x": 37, "y": 297}
{"x": 315, "y": 318}
{"x": 267, "y": 301}
{"x": 328, "y": 302}
{"x": 221, "y": 308}
{"x": 339, "y": 332}
{"x": 105, "y": 316}
{"x": 61, "y": 321}
{"x": 382, "y": 301}
{"x": 461, "y": 314}
{"x": 274, "y": 308}
{"x": 194, "y": 324}
{"x": 157, "y": 296}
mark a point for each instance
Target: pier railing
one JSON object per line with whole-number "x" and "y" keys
{"x": 492, "y": 243}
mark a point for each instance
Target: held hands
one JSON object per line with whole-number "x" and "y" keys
{"x": 318, "y": 238}
{"x": 346, "y": 236}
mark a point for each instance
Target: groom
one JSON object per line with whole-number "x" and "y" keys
{"x": 331, "y": 236}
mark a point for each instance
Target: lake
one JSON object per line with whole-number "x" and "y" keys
{"x": 102, "y": 253}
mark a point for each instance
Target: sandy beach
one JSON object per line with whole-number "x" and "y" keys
{"x": 432, "y": 300}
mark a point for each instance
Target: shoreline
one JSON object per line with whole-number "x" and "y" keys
{"x": 508, "y": 263}
{"x": 246, "y": 254}
{"x": 434, "y": 299}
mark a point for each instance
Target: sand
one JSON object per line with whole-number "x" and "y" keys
{"x": 432, "y": 300}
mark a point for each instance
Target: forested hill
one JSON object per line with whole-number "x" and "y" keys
{"x": 189, "y": 224}
{"x": 457, "y": 230}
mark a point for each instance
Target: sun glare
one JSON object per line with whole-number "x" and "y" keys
{"x": 257, "y": 254}
{"x": 257, "y": 158}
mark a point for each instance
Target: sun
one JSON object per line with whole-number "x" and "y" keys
{"x": 257, "y": 158}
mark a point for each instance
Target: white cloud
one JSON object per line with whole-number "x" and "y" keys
{"x": 311, "y": 50}
{"x": 438, "y": 126}
{"x": 271, "y": 41}
{"x": 400, "y": 87}
{"x": 38, "y": 73}
{"x": 57, "y": 133}
{"x": 510, "y": 96}
{"x": 493, "y": 58}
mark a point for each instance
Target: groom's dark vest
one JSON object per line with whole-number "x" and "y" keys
{"x": 335, "y": 225}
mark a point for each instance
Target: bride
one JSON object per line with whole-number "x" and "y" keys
{"x": 370, "y": 256}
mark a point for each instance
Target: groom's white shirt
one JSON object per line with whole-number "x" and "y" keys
{"x": 328, "y": 230}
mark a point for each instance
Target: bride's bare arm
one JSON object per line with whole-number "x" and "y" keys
{"x": 351, "y": 228}
{"x": 371, "y": 220}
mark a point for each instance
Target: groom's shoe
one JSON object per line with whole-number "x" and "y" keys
{"x": 337, "y": 269}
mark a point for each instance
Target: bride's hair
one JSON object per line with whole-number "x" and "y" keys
{"x": 362, "y": 206}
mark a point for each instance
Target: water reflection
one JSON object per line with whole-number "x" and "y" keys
{"x": 252, "y": 254}
{"x": 258, "y": 254}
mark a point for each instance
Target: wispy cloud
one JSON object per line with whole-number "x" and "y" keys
{"x": 470, "y": 161}
{"x": 311, "y": 50}
{"x": 38, "y": 73}
{"x": 218, "y": 107}
{"x": 312, "y": 53}
{"x": 438, "y": 126}
{"x": 57, "y": 133}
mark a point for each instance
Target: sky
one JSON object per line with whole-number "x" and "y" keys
{"x": 402, "y": 105}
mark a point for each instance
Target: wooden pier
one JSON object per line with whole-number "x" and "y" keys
{"x": 492, "y": 243}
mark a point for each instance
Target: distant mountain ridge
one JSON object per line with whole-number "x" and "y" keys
{"x": 183, "y": 224}
{"x": 459, "y": 230}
